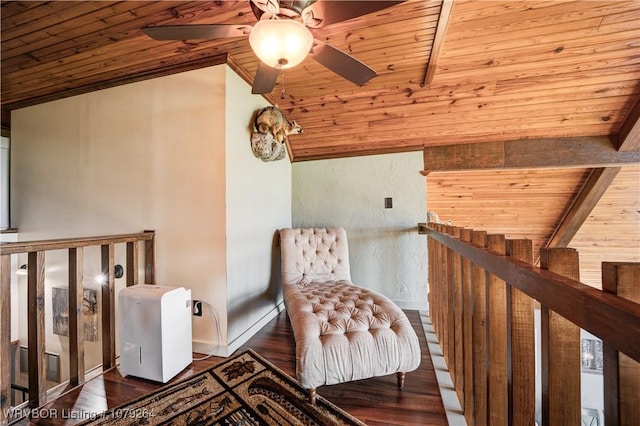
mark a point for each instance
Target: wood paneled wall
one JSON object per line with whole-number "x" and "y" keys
{"x": 612, "y": 230}
{"x": 517, "y": 203}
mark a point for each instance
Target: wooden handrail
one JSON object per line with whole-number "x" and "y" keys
{"x": 67, "y": 243}
{"x": 482, "y": 290}
{"x": 598, "y": 312}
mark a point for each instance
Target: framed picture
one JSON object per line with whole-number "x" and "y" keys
{"x": 53, "y": 367}
{"x": 591, "y": 356}
{"x": 60, "y": 309}
{"x": 52, "y": 364}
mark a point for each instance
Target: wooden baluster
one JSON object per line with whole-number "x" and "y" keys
{"x": 442, "y": 288}
{"x": 108, "y": 305}
{"x": 437, "y": 289}
{"x": 35, "y": 330}
{"x": 497, "y": 340}
{"x": 5, "y": 337}
{"x": 467, "y": 334}
{"x": 621, "y": 373}
{"x": 447, "y": 282}
{"x": 560, "y": 342}
{"x": 150, "y": 259}
{"x": 480, "y": 381}
{"x": 431, "y": 247}
{"x": 446, "y": 293}
{"x": 455, "y": 320}
{"x": 521, "y": 356}
{"x": 76, "y": 317}
{"x": 132, "y": 263}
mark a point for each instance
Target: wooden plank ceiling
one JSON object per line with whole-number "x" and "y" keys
{"x": 517, "y": 203}
{"x": 526, "y": 87}
{"x": 506, "y": 70}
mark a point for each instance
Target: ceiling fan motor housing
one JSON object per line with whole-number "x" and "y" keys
{"x": 288, "y": 8}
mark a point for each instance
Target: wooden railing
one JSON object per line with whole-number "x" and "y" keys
{"x": 35, "y": 251}
{"x": 483, "y": 293}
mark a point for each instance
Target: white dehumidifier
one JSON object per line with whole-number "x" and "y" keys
{"x": 155, "y": 331}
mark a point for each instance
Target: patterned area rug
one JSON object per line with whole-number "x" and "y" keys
{"x": 244, "y": 390}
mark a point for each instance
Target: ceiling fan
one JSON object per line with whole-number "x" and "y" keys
{"x": 281, "y": 41}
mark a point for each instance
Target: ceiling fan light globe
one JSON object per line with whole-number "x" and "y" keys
{"x": 280, "y": 43}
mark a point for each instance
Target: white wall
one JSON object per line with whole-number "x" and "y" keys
{"x": 148, "y": 155}
{"x": 4, "y": 182}
{"x": 258, "y": 198}
{"x": 386, "y": 253}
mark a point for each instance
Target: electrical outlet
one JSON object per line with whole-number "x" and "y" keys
{"x": 197, "y": 308}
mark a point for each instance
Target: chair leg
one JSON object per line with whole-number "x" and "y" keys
{"x": 400, "y": 375}
{"x": 312, "y": 396}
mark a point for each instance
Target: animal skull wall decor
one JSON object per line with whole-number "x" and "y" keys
{"x": 270, "y": 134}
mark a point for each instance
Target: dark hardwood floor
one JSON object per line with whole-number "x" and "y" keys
{"x": 376, "y": 401}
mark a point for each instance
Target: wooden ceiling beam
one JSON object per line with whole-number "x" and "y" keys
{"x": 593, "y": 189}
{"x": 438, "y": 41}
{"x": 599, "y": 180}
{"x": 595, "y": 151}
{"x": 629, "y": 135}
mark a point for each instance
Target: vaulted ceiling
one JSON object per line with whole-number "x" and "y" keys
{"x": 545, "y": 92}
{"x": 448, "y": 72}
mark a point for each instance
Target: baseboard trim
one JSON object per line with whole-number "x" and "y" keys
{"x": 209, "y": 348}
{"x": 412, "y": 305}
{"x": 452, "y": 406}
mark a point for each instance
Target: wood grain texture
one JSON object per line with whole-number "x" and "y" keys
{"x": 66, "y": 243}
{"x": 502, "y": 70}
{"x": 553, "y": 290}
{"x": 628, "y": 137}
{"x": 76, "y": 316}
{"x": 108, "y": 306}
{"x": 35, "y": 329}
{"x": 132, "y": 263}
{"x": 522, "y": 352}
{"x": 467, "y": 331}
{"x": 584, "y": 202}
{"x": 611, "y": 232}
{"x": 480, "y": 336}
{"x": 621, "y": 373}
{"x": 376, "y": 401}
{"x": 458, "y": 319}
{"x": 150, "y": 259}
{"x": 438, "y": 41}
{"x": 529, "y": 154}
{"x": 517, "y": 203}
{"x": 521, "y": 345}
{"x": 560, "y": 348}
{"x": 497, "y": 338}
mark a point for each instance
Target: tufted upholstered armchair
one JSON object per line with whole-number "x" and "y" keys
{"x": 343, "y": 332}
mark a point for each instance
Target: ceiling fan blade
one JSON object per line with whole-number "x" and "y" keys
{"x": 257, "y": 12}
{"x": 192, "y": 32}
{"x": 327, "y": 12}
{"x": 341, "y": 63}
{"x": 265, "y": 79}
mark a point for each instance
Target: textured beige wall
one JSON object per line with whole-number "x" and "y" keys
{"x": 386, "y": 253}
{"x": 258, "y": 198}
{"x": 148, "y": 155}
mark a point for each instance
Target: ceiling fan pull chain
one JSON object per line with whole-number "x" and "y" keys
{"x": 282, "y": 94}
